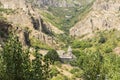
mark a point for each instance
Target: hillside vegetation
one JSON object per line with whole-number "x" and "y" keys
{"x": 34, "y": 37}
{"x": 65, "y": 17}
{"x": 97, "y": 57}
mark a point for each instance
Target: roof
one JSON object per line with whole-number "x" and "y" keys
{"x": 63, "y": 54}
{"x": 69, "y": 49}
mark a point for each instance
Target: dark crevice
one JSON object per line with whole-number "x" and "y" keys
{"x": 45, "y": 28}
{"x": 36, "y": 23}
{"x": 4, "y": 29}
{"x": 26, "y": 37}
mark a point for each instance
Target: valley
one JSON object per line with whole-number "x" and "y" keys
{"x": 59, "y": 40}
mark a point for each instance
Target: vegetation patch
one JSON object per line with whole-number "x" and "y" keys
{"x": 65, "y": 18}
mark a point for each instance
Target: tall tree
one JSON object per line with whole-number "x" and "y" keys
{"x": 26, "y": 65}
{"x": 52, "y": 55}
{"x": 37, "y": 67}
{"x": 12, "y": 55}
{"x": 40, "y": 67}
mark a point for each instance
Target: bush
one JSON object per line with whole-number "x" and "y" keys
{"x": 74, "y": 70}
{"x": 58, "y": 64}
{"x": 73, "y": 63}
{"x": 108, "y": 50}
{"x": 53, "y": 72}
{"x": 76, "y": 52}
{"x": 52, "y": 55}
{"x": 77, "y": 72}
{"x": 102, "y": 40}
{"x": 81, "y": 44}
{"x": 60, "y": 77}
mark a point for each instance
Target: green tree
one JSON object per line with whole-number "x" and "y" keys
{"x": 92, "y": 63}
{"x": 26, "y": 65}
{"x": 2, "y": 71}
{"x": 40, "y": 67}
{"x": 52, "y": 55}
{"x": 53, "y": 72}
{"x": 12, "y": 55}
{"x": 15, "y": 63}
{"x": 37, "y": 68}
{"x": 102, "y": 39}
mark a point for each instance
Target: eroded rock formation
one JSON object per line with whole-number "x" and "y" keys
{"x": 26, "y": 16}
{"x": 105, "y": 15}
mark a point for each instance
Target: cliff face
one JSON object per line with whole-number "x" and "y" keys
{"x": 60, "y": 3}
{"x": 57, "y": 3}
{"x": 105, "y": 15}
{"x": 26, "y": 18}
{"x": 28, "y": 22}
{"x": 13, "y": 4}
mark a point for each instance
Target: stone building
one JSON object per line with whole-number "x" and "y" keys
{"x": 66, "y": 56}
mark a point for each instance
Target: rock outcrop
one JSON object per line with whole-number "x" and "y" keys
{"x": 25, "y": 16}
{"x": 105, "y": 15}
{"x": 57, "y": 3}
{"x": 4, "y": 30}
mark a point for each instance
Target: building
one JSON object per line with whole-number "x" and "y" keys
{"x": 66, "y": 56}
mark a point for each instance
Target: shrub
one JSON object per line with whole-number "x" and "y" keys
{"x": 74, "y": 70}
{"x": 73, "y": 63}
{"x": 60, "y": 77}
{"x": 77, "y": 72}
{"x": 58, "y": 64}
{"x": 53, "y": 72}
{"x": 81, "y": 44}
{"x": 102, "y": 40}
{"x": 52, "y": 55}
{"x": 108, "y": 50}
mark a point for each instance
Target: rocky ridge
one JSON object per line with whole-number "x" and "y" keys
{"x": 57, "y": 3}
{"x": 105, "y": 15}
{"x": 28, "y": 22}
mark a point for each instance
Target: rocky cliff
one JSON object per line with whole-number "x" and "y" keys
{"x": 57, "y": 3}
{"x": 105, "y": 15}
{"x": 28, "y": 23}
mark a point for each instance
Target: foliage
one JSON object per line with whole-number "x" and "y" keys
{"x": 65, "y": 18}
{"x": 102, "y": 39}
{"x": 26, "y": 64}
{"x": 2, "y": 71}
{"x": 59, "y": 77}
{"x": 39, "y": 44}
{"x": 52, "y": 55}
{"x": 12, "y": 55}
{"x": 53, "y": 72}
{"x": 81, "y": 44}
{"x": 74, "y": 70}
{"x": 99, "y": 61}
{"x": 7, "y": 11}
{"x": 94, "y": 71}
{"x": 16, "y": 65}
{"x": 58, "y": 64}
{"x": 64, "y": 38}
{"x": 39, "y": 69}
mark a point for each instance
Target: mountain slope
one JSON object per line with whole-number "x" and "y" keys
{"x": 64, "y": 17}
{"x": 26, "y": 19}
{"x": 59, "y": 3}
{"x": 105, "y": 15}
